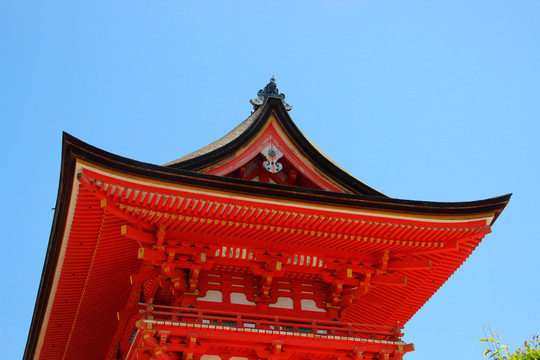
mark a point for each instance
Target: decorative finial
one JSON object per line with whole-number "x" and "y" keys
{"x": 269, "y": 90}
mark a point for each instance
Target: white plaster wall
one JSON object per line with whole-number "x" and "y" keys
{"x": 310, "y": 305}
{"x": 283, "y": 303}
{"x": 213, "y": 296}
{"x": 240, "y": 298}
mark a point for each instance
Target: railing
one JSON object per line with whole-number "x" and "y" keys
{"x": 270, "y": 322}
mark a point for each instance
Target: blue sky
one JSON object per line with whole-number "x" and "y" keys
{"x": 421, "y": 100}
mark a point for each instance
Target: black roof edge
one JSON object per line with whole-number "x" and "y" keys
{"x": 101, "y": 157}
{"x": 53, "y": 249}
{"x": 275, "y": 104}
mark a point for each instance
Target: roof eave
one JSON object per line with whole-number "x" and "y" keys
{"x": 67, "y": 173}
{"x": 116, "y": 163}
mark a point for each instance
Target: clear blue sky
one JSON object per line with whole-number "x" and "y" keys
{"x": 424, "y": 100}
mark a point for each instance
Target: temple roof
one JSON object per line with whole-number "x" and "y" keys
{"x": 221, "y": 142}
{"x": 76, "y": 149}
{"x": 273, "y": 111}
{"x": 263, "y": 185}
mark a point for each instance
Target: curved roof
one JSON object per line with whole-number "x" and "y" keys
{"x": 245, "y": 133}
{"x": 76, "y": 149}
{"x": 74, "y": 244}
{"x": 221, "y": 142}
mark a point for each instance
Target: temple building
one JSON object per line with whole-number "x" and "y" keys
{"x": 256, "y": 246}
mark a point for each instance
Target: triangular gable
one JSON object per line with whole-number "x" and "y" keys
{"x": 268, "y": 147}
{"x": 271, "y": 157}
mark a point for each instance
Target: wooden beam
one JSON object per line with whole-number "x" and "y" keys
{"x": 249, "y": 243}
{"x": 143, "y": 275}
{"x": 126, "y": 313}
{"x": 149, "y": 254}
{"x": 137, "y": 235}
{"x": 397, "y": 265}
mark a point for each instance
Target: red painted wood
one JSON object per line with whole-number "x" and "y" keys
{"x": 132, "y": 240}
{"x": 272, "y": 135}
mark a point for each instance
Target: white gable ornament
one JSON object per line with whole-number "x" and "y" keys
{"x": 272, "y": 155}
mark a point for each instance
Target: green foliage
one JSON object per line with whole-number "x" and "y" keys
{"x": 497, "y": 351}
